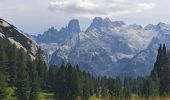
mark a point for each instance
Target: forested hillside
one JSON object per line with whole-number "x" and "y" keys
{"x": 20, "y": 74}
{"x": 25, "y": 79}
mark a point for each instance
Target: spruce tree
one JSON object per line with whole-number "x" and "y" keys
{"x": 3, "y": 86}
{"x": 12, "y": 63}
{"x": 42, "y": 69}
{"x": 3, "y": 74}
{"x": 117, "y": 87}
{"x": 79, "y": 82}
{"x": 22, "y": 78}
{"x": 52, "y": 75}
{"x": 34, "y": 83}
{"x": 86, "y": 88}
{"x": 127, "y": 88}
{"x": 3, "y": 61}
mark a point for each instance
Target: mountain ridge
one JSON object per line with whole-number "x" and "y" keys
{"x": 107, "y": 47}
{"x": 13, "y": 35}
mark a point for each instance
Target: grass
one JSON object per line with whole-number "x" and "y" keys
{"x": 11, "y": 93}
{"x": 134, "y": 97}
{"x": 94, "y": 98}
{"x": 46, "y": 96}
{"x": 42, "y": 95}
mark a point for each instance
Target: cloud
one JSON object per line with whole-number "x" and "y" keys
{"x": 92, "y": 8}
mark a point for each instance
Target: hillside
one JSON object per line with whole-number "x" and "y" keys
{"x": 9, "y": 34}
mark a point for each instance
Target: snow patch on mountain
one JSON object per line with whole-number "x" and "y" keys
{"x": 120, "y": 56}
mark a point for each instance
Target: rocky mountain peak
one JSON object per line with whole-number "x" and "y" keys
{"x": 118, "y": 23}
{"x": 107, "y": 20}
{"x": 74, "y": 26}
{"x": 163, "y": 26}
{"x": 98, "y": 22}
{"x": 52, "y": 29}
{"x": 159, "y": 26}
{"x": 149, "y": 27}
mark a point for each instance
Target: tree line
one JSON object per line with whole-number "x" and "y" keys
{"x": 70, "y": 80}
{"x": 27, "y": 77}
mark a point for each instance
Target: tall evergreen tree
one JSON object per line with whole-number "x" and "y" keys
{"x": 117, "y": 87}
{"x": 3, "y": 74}
{"x": 79, "y": 80}
{"x": 52, "y": 75}
{"x": 22, "y": 78}
{"x": 161, "y": 70}
{"x": 3, "y": 86}
{"x": 86, "y": 88}
{"x": 12, "y": 63}
{"x": 34, "y": 83}
{"x": 3, "y": 61}
{"x": 42, "y": 69}
{"x": 127, "y": 88}
{"x": 150, "y": 88}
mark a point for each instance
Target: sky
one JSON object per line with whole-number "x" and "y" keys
{"x": 36, "y": 16}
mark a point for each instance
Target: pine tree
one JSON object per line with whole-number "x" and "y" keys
{"x": 34, "y": 83}
{"x": 127, "y": 88}
{"x": 150, "y": 88}
{"x": 3, "y": 74}
{"x": 86, "y": 88}
{"x": 22, "y": 78}
{"x": 12, "y": 63}
{"x": 161, "y": 70}
{"x": 52, "y": 75}
{"x": 79, "y": 82}
{"x": 117, "y": 87}
{"x": 61, "y": 86}
{"x": 42, "y": 69}
{"x": 3, "y": 86}
{"x": 3, "y": 61}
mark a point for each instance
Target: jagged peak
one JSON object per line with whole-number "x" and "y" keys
{"x": 73, "y": 22}
{"x": 97, "y": 21}
{"x": 107, "y": 19}
{"x": 118, "y": 23}
{"x": 52, "y": 29}
{"x": 106, "y": 22}
{"x": 136, "y": 26}
{"x": 161, "y": 24}
{"x": 74, "y": 26}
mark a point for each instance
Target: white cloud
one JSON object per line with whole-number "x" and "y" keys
{"x": 103, "y": 8}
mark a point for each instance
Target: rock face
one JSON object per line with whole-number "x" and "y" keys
{"x": 54, "y": 36}
{"x": 110, "y": 48}
{"x": 143, "y": 62}
{"x": 12, "y": 35}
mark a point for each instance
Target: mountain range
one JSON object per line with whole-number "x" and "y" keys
{"x": 111, "y": 48}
